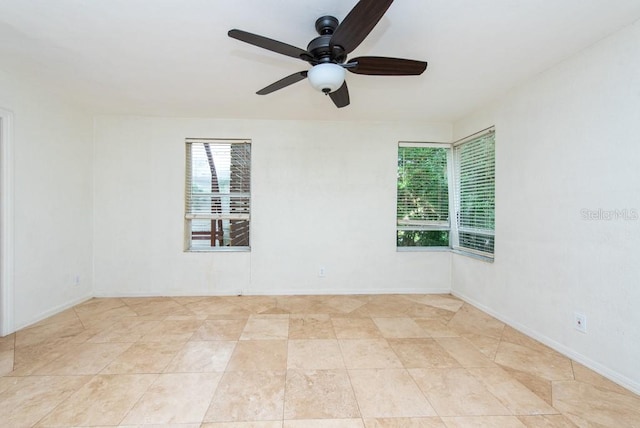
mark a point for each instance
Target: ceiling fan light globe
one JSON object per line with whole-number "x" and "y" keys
{"x": 327, "y": 77}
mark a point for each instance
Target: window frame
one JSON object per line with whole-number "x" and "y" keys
{"x": 448, "y": 149}
{"x": 455, "y": 207}
{"x": 190, "y": 207}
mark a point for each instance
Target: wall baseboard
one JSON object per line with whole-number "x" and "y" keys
{"x": 564, "y": 350}
{"x": 283, "y": 292}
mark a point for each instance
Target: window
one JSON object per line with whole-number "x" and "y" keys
{"x": 218, "y": 194}
{"x": 474, "y": 165}
{"x": 423, "y": 195}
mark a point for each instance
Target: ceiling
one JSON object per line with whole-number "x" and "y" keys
{"x": 173, "y": 57}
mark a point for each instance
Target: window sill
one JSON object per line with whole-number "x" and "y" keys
{"x": 220, "y": 250}
{"x": 421, "y": 249}
{"x": 480, "y": 257}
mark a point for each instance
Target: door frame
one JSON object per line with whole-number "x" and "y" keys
{"x": 6, "y": 223}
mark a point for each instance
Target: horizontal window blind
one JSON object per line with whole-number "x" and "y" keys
{"x": 218, "y": 193}
{"x": 423, "y": 196}
{"x": 474, "y": 162}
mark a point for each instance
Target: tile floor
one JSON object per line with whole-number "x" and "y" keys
{"x": 295, "y": 362}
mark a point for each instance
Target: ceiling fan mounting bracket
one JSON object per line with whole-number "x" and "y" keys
{"x": 326, "y": 25}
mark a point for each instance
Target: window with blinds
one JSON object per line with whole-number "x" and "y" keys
{"x": 423, "y": 196}
{"x": 474, "y": 171}
{"x": 218, "y": 194}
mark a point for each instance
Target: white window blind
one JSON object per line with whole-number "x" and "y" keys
{"x": 474, "y": 163}
{"x": 218, "y": 194}
{"x": 423, "y": 196}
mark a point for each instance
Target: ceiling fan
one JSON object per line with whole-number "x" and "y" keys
{"x": 328, "y": 53}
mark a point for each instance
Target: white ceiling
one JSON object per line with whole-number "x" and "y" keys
{"x": 173, "y": 57}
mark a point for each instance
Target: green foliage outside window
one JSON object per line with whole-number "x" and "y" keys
{"x": 423, "y": 197}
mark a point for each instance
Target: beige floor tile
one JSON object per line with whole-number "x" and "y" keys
{"x": 250, "y": 355}
{"x": 105, "y": 318}
{"x": 222, "y": 329}
{"x": 545, "y": 364}
{"x": 177, "y": 330}
{"x": 384, "y": 393}
{"x": 266, "y": 327}
{"x": 588, "y": 405}
{"x": 296, "y": 304}
{"x": 28, "y": 359}
{"x": 519, "y": 399}
{"x": 128, "y": 329}
{"x": 253, "y": 424}
{"x": 311, "y": 326}
{"x": 319, "y": 394}
{"x": 254, "y": 304}
{"x": 47, "y": 333}
{"x": 442, "y": 301}
{"x": 539, "y": 386}
{"x": 436, "y": 327}
{"x": 456, "y": 392}
{"x": 433, "y": 422}
{"x": 199, "y": 357}
{"x": 355, "y": 328}
{"x": 248, "y": 396}
{"x": 175, "y": 399}
{"x": 483, "y": 422}
{"x": 485, "y": 344}
{"x": 546, "y": 421}
{"x": 8, "y": 342}
{"x": 6, "y": 361}
{"x": 586, "y": 375}
{"x": 314, "y": 355}
{"x": 430, "y": 312}
{"x": 143, "y": 357}
{"x": 470, "y": 320}
{"x": 157, "y": 306}
{"x": 382, "y": 306}
{"x": 464, "y": 352}
{"x": 216, "y": 306}
{"x": 97, "y": 306}
{"x": 324, "y": 423}
{"x": 399, "y": 328}
{"x": 25, "y": 400}
{"x": 369, "y": 354}
{"x": 422, "y": 353}
{"x": 104, "y": 400}
{"x": 86, "y": 359}
{"x": 159, "y": 360}
{"x": 339, "y": 305}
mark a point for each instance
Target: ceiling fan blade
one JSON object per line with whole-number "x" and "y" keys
{"x": 357, "y": 25}
{"x": 383, "y": 66}
{"x": 269, "y": 44}
{"x": 283, "y": 83}
{"x": 340, "y": 97}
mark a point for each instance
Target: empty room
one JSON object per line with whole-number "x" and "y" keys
{"x": 319, "y": 214}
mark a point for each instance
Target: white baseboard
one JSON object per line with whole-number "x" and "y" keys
{"x": 278, "y": 292}
{"x": 563, "y": 349}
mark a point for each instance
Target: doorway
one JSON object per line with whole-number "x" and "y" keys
{"x": 6, "y": 222}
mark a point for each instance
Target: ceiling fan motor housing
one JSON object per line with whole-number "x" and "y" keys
{"x": 320, "y": 47}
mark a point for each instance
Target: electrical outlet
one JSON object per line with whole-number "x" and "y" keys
{"x": 322, "y": 272}
{"x": 76, "y": 280}
{"x": 580, "y": 322}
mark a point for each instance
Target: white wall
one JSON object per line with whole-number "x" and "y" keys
{"x": 567, "y": 141}
{"x": 323, "y": 194}
{"x": 52, "y": 149}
